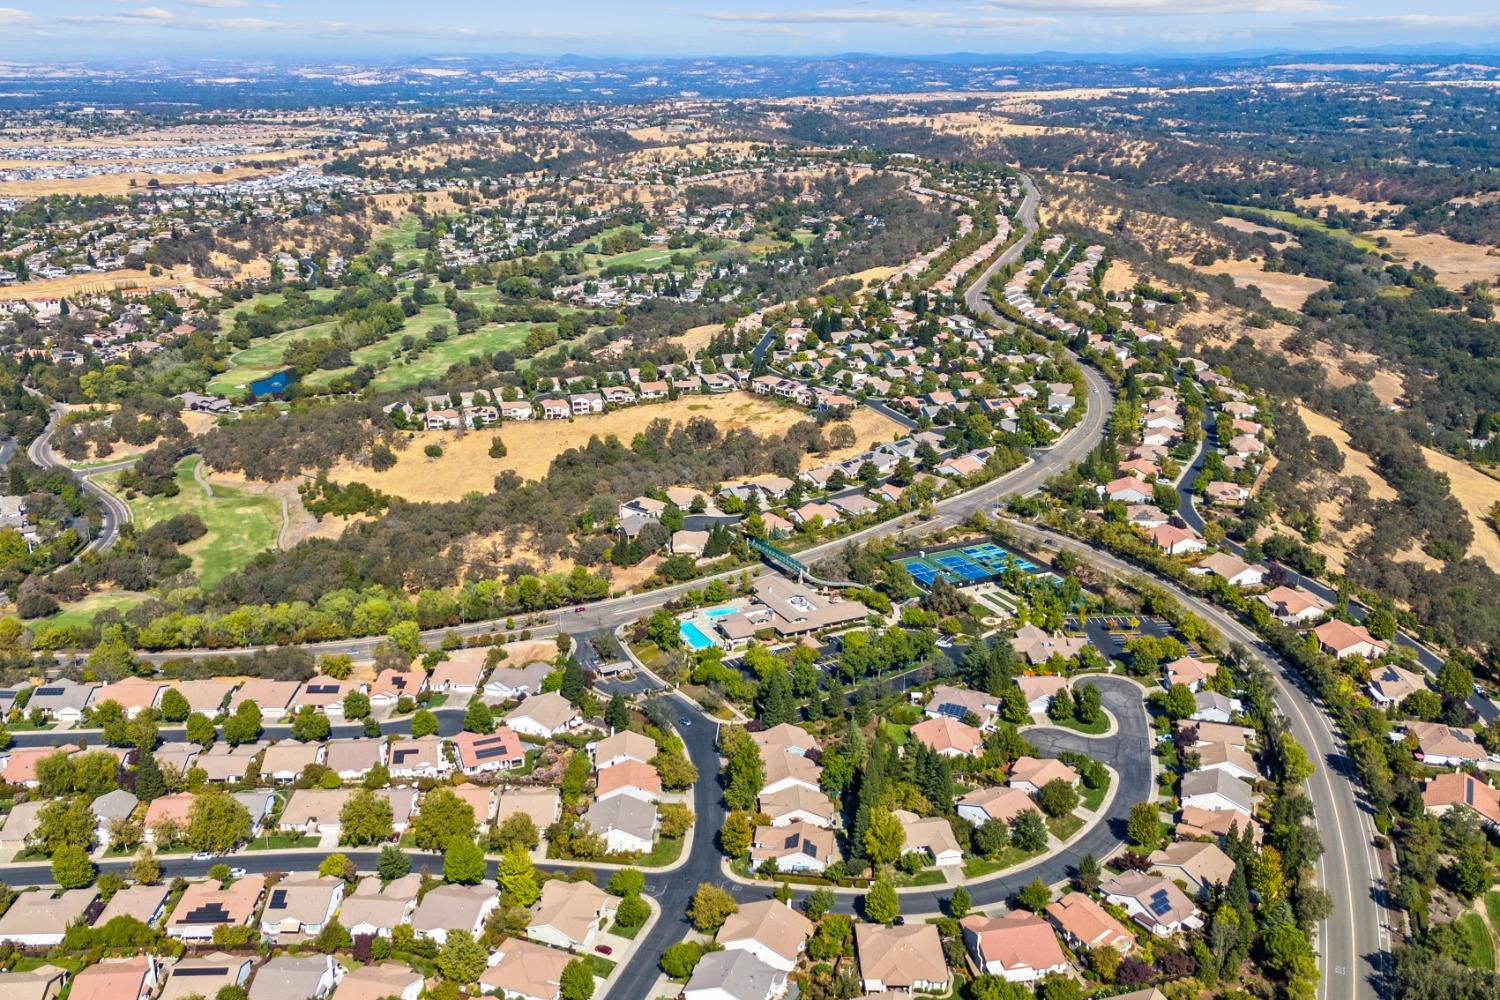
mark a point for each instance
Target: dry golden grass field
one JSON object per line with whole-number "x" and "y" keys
{"x": 1456, "y": 263}
{"x": 1335, "y": 544}
{"x": 1478, "y": 493}
{"x": 1246, "y": 226}
{"x": 84, "y": 284}
{"x": 1288, "y": 291}
{"x": 465, "y": 465}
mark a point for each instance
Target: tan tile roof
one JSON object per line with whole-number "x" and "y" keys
{"x": 785, "y": 737}
{"x": 1203, "y": 862}
{"x": 1040, "y": 770}
{"x": 371, "y": 982}
{"x": 794, "y": 838}
{"x": 798, "y": 798}
{"x": 526, "y": 968}
{"x": 571, "y": 908}
{"x": 1083, "y": 918}
{"x": 626, "y": 743}
{"x": 541, "y": 804}
{"x": 789, "y": 766}
{"x": 549, "y": 709}
{"x": 900, "y": 956}
{"x": 772, "y": 924}
{"x": 999, "y": 803}
{"x": 39, "y": 913}
{"x": 237, "y": 902}
{"x": 946, "y": 733}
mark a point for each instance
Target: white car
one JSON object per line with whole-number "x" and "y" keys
{"x": 237, "y": 873}
{"x": 203, "y": 856}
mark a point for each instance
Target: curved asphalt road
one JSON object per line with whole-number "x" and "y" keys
{"x": 1354, "y": 943}
{"x": 115, "y": 511}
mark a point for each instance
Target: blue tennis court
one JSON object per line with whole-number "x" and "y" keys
{"x": 996, "y": 559}
{"x": 920, "y": 571}
{"x": 964, "y": 569}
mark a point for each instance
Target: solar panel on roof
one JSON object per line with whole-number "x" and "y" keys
{"x": 322, "y": 689}
{"x": 488, "y": 753}
{"x": 208, "y": 913}
{"x": 213, "y": 971}
{"x": 1160, "y": 904}
{"x": 43, "y": 692}
{"x": 791, "y": 840}
{"x": 278, "y": 900}
{"x": 400, "y": 756}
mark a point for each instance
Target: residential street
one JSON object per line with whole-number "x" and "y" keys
{"x": 1353, "y": 944}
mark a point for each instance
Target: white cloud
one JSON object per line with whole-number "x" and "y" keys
{"x": 16, "y": 16}
{"x": 1408, "y": 21}
{"x": 1164, "y": 8}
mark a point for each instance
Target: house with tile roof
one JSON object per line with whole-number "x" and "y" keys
{"x": 1019, "y": 947}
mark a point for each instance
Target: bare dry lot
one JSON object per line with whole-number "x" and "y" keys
{"x": 465, "y": 465}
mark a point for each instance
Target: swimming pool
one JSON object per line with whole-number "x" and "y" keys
{"x": 723, "y": 612}
{"x": 694, "y": 637}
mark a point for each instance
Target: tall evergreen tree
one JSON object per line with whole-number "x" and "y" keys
{"x": 617, "y": 716}
{"x": 871, "y": 789}
{"x": 150, "y": 784}
{"x": 573, "y": 687}
{"x": 774, "y": 701}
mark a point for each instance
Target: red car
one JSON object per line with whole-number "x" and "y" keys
{"x": 604, "y": 949}
{"x": 578, "y": 610}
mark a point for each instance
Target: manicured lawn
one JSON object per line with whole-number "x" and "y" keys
{"x": 273, "y": 299}
{"x": 1010, "y": 856}
{"x": 79, "y": 614}
{"x": 402, "y": 238}
{"x": 526, "y": 363}
{"x": 1295, "y": 221}
{"x": 437, "y": 359}
{"x": 664, "y": 853}
{"x": 1492, "y": 907}
{"x": 240, "y": 525}
{"x": 1095, "y": 728}
{"x": 1480, "y": 944}
{"x": 645, "y": 259}
{"x": 927, "y": 876}
{"x": 281, "y": 842}
{"x": 602, "y": 966}
{"x": 381, "y": 354}
{"x": 628, "y": 933}
{"x": 263, "y": 358}
{"x": 1090, "y": 798}
{"x": 1063, "y": 827}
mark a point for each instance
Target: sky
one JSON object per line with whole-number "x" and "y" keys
{"x": 104, "y": 30}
